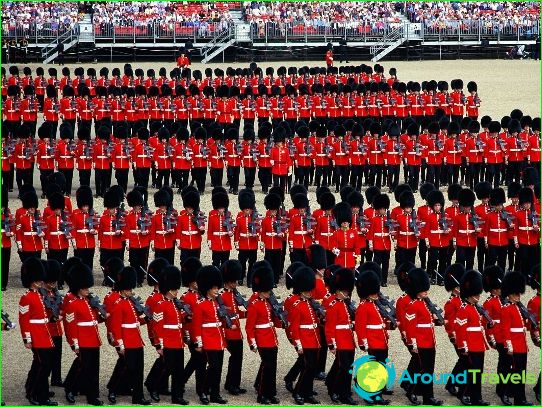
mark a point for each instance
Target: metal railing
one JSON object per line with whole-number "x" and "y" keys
{"x": 388, "y": 39}
{"x": 34, "y": 35}
{"x": 65, "y": 38}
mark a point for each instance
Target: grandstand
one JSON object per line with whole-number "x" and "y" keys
{"x": 239, "y": 31}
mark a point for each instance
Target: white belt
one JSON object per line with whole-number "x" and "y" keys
{"x": 39, "y": 321}
{"x": 211, "y": 325}
{"x": 122, "y": 156}
{"x": 525, "y": 228}
{"x": 310, "y": 326}
{"x": 271, "y": 234}
{"x": 110, "y": 233}
{"x": 300, "y": 232}
{"x": 497, "y": 321}
{"x": 264, "y": 156}
{"x": 376, "y": 152}
{"x": 466, "y": 231}
{"x": 379, "y": 326}
{"x": 198, "y": 156}
{"x": 340, "y": 153}
{"x": 424, "y": 326}
{"x": 66, "y": 156}
{"x": 321, "y": 155}
{"x": 475, "y": 151}
{"x": 514, "y": 149}
{"x": 47, "y": 156}
{"x": 246, "y": 235}
{"x": 517, "y": 329}
{"x": 474, "y": 329}
{"x": 135, "y": 231}
{"x": 263, "y": 326}
{"x": 130, "y": 326}
{"x": 102, "y": 156}
{"x": 57, "y": 233}
{"x": 163, "y": 156}
{"x": 393, "y": 152}
{"x": 495, "y": 151}
{"x": 357, "y": 153}
{"x": 498, "y": 230}
{"x": 326, "y": 234}
{"x": 142, "y": 156}
{"x": 306, "y": 155}
{"x": 347, "y": 326}
{"x": 193, "y": 232}
{"x": 178, "y": 326}
{"x": 406, "y": 233}
{"x": 220, "y": 233}
{"x": 161, "y": 232}
{"x": 454, "y": 152}
{"x": 87, "y": 323}
{"x": 437, "y": 231}
{"x": 381, "y": 234}
{"x": 30, "y": 233}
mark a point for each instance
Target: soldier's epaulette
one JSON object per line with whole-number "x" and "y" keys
{"x": 200, "y": 300}
{"x": 332, "y": 303}
{"x": 506, "y": 304}
{"x": 296, "y": 302}
{"x": 119, "y": 300}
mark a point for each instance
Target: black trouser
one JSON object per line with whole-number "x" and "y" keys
{"x": 26, "y": 255}
{"x": 264, "y": 175}
{"x": 56, "y": 360}
{"x": 89, "y": 377}
{"x": 196, "y": 363}
{"x": 143, "y": 177}
{"x": 465, "y": 256}
{"x": 71, "y": 382}
{"x": 393, "y": 176}
{"x": 139, "y": 260}
{"x": 433, "y": 174}
{"x": 250, "y": 176}
{"x": 106, "y": 254}
{"x": 180, "y": 177}
{"x": 382, "y": 258}
{"x": 514, "y": 169}
{"x": 168, "y": 254}
{"x": 339, "y": 377}
{"x": 493, "y": 172}
{"x": 496, "y": 255}
{"x": 305, "y": 385}
{"x": 295, "y": 370}
{"x": 342, "y": 176}
{"x": 100, "y": 179}
{"x": 44, "y": 179}
{"x": 273, "y": 256}
{"x": 321, "y": 174}
{"x": 403, "y": 255}
{"x": 158, "y": 377}
{"x": 413, "y": 176}
{"x": 23, "y": 177}
{"x": 84, "y": 177}
{"x": 512, "y": 256}
{"x": 426, "y": 360}
{"x": 267, "y": 377}
{"x": 453, "y": 173}
{"x": 68, "y": 173}
{"x": 249, "y": 256}
{"x": 174, "y": 366}
{"x": 122, "y": 178}
{"x": 6, "y": 256}
{"x": 199, "y": 175}
{"x": 519, "y": 367}
{"x": 162, "y": 178}
{"x": 460, "y": 366}
{"x": 298, "y": 255}
{"x": 473, "y": 389}
{"x": 375, "y": 175}
{"x": 280, "y": 181}
{"x": 186, "y": 253}
{"x": 220, "y": 257}
{"x": 235, "y": 363}
{"x": 215, "y": 359}
{"x": 481, "y": 252}
{"x": 41, "y": 369}
{"x": 134, "y": 371}
{"x": 503, "y": 367}
{"x": 473, "y": 174}
{"x": 322, "y": 355}
{"x": 61, "y": 256}
{"x": 437, "y": 255}
{"x": 356, "y": 177}
{"x": 216, "y": 176}
{"x": 232, "y": 174}
{"x": 529, "y": 256}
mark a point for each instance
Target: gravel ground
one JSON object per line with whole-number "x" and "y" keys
{"x": 503, "y": 86}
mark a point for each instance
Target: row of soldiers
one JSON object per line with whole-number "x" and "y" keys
{"x": 440, "y": 152}
{"x": 494, "y": 231}
{"x": 318, "y": 317}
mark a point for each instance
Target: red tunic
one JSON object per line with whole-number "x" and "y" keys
{"x": 304, "y": 325}
{"x": 493, "y": 306}
{"x": 207, "y": 327}
{"x": 339, "y": 326}
{"x": 346, "y": 241}
{"x": 218, "y": 237}
{"x": 33, "y": 320}
{"x": 168, "y": 325}
{"x": 236, "y": 313}
{"x": 370, "y": 327}
{"x": 450, "y": 311}
{"x": 470, "y": 331}
{"x": 513, "y": 329}
{"x": 125, "y": 325}
{"x": 419, "y": 326}
{"x": 81, "y": 324}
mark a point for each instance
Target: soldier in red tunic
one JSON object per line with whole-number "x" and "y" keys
{"x": 379, "y": 236}
{"x": 408, "y": 230}
{"x": 345, "y": 242}
{"x": 246, "y": 236}
{"x": 498, "y": 223}
{"x": 111, "y": 228}
{"x": 33, "y": 324}
{"x": 438, "y": 227}
{"x": 29, "y": 227}
{"x": 534, "y": 308}
{"x": 280, "y": 159}
{"x": 57, "y": 230}
{"x": 527, "y": 232}
{"x": 137, "y": 229}
{"x": 273, "y": 234}
{"x": 163, "y": 227}
{"x": 82, "y": 334}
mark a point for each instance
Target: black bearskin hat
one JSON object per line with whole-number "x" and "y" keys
{"x": 189, "y": 270}
{"x": 317, "y": 256}
{"x": 513, "y": 283}
{"x": 435, "y": 197}
{"x": 526, "y": 195}
{"x": 170, "y": 279}
{"x": 453, "y": 192}
{"x": 418, "y": 281}
{"x": 343, "y": 280}
{"x": 381, "y": 201}
{"x": 262, "y": 277}
{"x": 371, "y": 193}
{"x": 367, "y": 283}
{"x": 126, "y": 279}
{"x": 497, "y": 197}
{"x": 155, "y": 269}
{"x": 406, "y": 200}
{"x": 207, "y": 278}
{"x": 466, "y": 197}
{"x": 134, "y": 198}
{"x": 272, "y": 202}
{"x": 231, "y": 271}
{"x": 80, "y": 277}
{"x": 304, "y": 280}
{"x": 342, "y": 213}
{"x": 471, "y": 284}
{"x": 452, "y": 276}
{"x": 492, "y": 278}
{"x": 220, "y": 200}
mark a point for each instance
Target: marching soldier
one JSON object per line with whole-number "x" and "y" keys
{"x": 33, "y": 324}
{"x": 345, "y": 240}
{"x": 29, "y": 227}
{"x": 220, "y": 229}
{"x": 300, "y": 229}
{"x": 379, "y": 235}
{"x": 8, "y": 231}
{"x": 494, "y": 154}
{"x": 325, "y": 225}
{"x": 163, "y": 153}
{"x": 121, "y": 157}
{"x": 182, "y": 162}
{"x": 246, "y": 236}
{"x": 190, "y": 227}
{"x": 57, "y": 230}
{"x": 513, "y": 194}
{"x": 534, "y": 308}
{"x": 138, "y": 229}
{"x": 498, "y": 223}
{"x": 408, "y": 230}
{"x": 103, "y": 150}
{"x": 466, "y": 227}
{"x": 232, "y": 272}
{"x": 199, "y": 159}
{"x": 85, "y": 225}
{"x": 163, "y": 224}
{"x": 142, "y": 157}
{"x": 84, "y": 154}
{"x": 527, "y": 232}
{"x": 249, "y": 157}
{"x": 273, "y": 234}
{"x": 280, "y": 159}
{"x": 438, "y": 227}
{"x": 83, "y": 336}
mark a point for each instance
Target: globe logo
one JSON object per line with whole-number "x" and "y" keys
{"x": 371, "y": 377}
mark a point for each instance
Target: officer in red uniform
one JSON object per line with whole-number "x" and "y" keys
{"x": 370, "y": 326}
{"x": 471, "y": 340}
{"x": 305, "y": 334}
{"x": 498, "y": 223}
{"x": 233, "y": 159}
{"x": 494, "y": 154}
{"x": 438, "y": 227}
{"x": 8, "y": 231}
{"x": 51, "y": 107}
{"x": 408, "y": 230}
{"x": 325, "y": 225}
{"x": 533, "y": 155}
{"x": 162, "y": 156}
{"x": 82, "y": 334}
{"x": 85, "y": 224}
{"x": 57, "y": 230}
{"x": 339, "y": 324}
{"x": 29, "y": 227}
{"x": 209, "y": 333}
{"x": 199, "y": 159}
{"x": 527, "y": 232}
{"x": 220, "y": 229}
{"x": 23, "y": 157}
{"x": 473, "y": 101}
{"x": 163, "y": 225}
{"x": 190, "y": 227}
{"x": 264, "y": 158}
{"x": 137, "y": 229}
{"x": 420, "y": 335}
{"x": 515, "y": 333}
{"x": 235, "y": 306}
{"x": 273, "y": 233}
{"x": 379, "y": 235}
{"x": 126, "y": 335}
{"x": 517, "y": 149}
{"x": 345, "y": 242}
{"x": 280, "y": 159}
{"x": 33, "y": 321}
{"x": 111, "y": 228}
{"x": 301, "y": 229}
{"x": 121, "y": 156}
{"x": 246, "y": 237}
{"x": 376, "y": 147}
{"x": 142, "y": 157}
{"x": 29, "y": 108}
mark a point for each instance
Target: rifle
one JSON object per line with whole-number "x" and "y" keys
{"x": 94, "y": 302}
{"x": 168, "y": 221}
{"x": 317, "y": 307}
{"x": 278, "y": 309}
{"x": 351, "y": 307}
{"x": 36, "y": 224}
{"x": 254, "y": 225}
{"x": 414, "y": 223}
{"x": 7, "y": 223}
{"x": 475, "y": 220}
{"x": 438, "y": 144}
{"x": 389, "y": 222}
{"x": 534, "y": 218}
{"x": 140, "y": 308}
{"x": 118, "y": 223}
{"x": 482, "y": 311}
{"x": 183, "y": 307}
{"x": 507, "y": 218}
{"x": 525, "y": 314}
{"x": 443, "y": 221}
{"x": 199, "y": 219}
{"x": 238, "y": 298}
{"x": 89, "y": 222}
{"x": 7, "y": 321}
{"x": 52, "y": 302}
{"x": 362, "y": 221}
{"x": 143, "y": 222}
{"x": 436, "y": 311}
{"x": 66, "y": 227}
{"x": 480, "y": 145}
{"x": 223, "y": 312}
{"x": 386, "y": 314}
{"x": 228, "y": 222}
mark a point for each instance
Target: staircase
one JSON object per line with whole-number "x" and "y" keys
{"x": 389, "y": 42}
{"x": 218, "y": 44}
{"x": 69, "y": 39}
{"x": 86, "y": 30}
